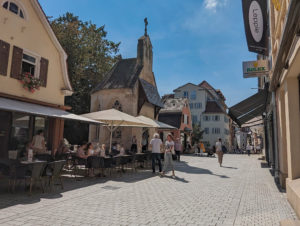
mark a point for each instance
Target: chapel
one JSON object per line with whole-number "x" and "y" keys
{"x": 129, "y": 87}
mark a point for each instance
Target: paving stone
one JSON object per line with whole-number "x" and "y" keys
{"x": 240, "y": 193}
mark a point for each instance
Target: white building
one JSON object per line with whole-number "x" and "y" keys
{"x": 208, "y": 109}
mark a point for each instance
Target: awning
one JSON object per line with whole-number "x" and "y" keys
{"x": 36, "y": 109}
{"x": 155, "y": 123}
{"x": 113, "y": 117}
{"x": 249, "y": 108}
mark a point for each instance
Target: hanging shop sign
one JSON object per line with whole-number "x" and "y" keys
{"x": 256, "y": 25}
{"x": 255, "y": 68}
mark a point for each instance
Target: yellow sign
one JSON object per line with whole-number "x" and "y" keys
{"x": 276, "y": 4}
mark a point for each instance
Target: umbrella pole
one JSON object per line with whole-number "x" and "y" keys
{"x": 110, "y": 142}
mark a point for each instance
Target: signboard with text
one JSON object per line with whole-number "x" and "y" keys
{"x": 255, "y": 68}
{"x": 256, "y": 25}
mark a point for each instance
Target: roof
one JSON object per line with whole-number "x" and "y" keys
{"x": 204, "y": 84}
{"x": 170, "y": 118}
{"x": 213, "y": 107}
{"x": 151, "y": 93}
{"x": 219, "y": 92}
{"x": 189, "y": 83}
{"x": 124, "y": 74}
{"x": 174, "y": 105}
{"x": 167, "y": 96}
{"x": 63, "y": 56}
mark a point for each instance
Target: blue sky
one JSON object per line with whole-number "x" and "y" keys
{"x": 193, "y": 40}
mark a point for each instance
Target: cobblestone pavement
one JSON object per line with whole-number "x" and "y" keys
{"x": 240, "y": 193}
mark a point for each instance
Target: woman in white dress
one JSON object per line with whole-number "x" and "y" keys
{"x": 169, "y": 150}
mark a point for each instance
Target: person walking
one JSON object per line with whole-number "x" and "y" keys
{"x": 248, "y": 147}
{"x": 169, "y": 149}
{"x": 219, "y": 151}
{"x": 178, "y": 147}
{"x": 156, "y": 145}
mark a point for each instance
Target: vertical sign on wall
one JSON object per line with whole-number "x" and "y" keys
{"x": 256, "y": 25}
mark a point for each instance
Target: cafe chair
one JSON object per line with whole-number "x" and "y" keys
{"x": 37, "y": 170}
{"x": 17, "y": 173}
{"x": 54, "y": 171}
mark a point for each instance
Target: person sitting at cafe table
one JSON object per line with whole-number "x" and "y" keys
{"x": 81, "y": 151}
{"x": 61, "y": 150}
{"x": 103, "y": 151}
{"x": 121, "y": 149}
{"x": 38, "y": 143}
{"x": 90, "y": 154}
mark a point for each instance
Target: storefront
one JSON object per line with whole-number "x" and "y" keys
{"x": 20, "y": 121}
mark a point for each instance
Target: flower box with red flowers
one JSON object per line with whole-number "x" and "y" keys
{"x": 30, "y": 83}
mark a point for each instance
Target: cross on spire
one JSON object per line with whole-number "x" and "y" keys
{"x": 146, "y": 24}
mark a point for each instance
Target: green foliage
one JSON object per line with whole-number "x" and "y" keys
{"x": 197, "y": 134}
{"x": 90, "y": 56}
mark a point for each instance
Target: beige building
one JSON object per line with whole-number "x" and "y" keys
{"x": 284, "y": 77}
{"x": 129, "y": 87}
{"x": 28, "y": 47}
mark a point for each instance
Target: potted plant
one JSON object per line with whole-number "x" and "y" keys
{"x": 30, "y": 83}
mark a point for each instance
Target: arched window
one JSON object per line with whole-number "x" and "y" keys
{"x": 14, "y": 8}
{"x": 117, "y": 106}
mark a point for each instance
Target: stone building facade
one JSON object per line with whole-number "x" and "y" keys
{"x": 130, "y": 87}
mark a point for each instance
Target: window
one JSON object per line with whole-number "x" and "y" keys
{"x": 117, "y": 134}
{"x": 226, "y": 119}
{"x": 216, "y": 118}
{"x": 193, "y": 95}
{"x": 198, "y": 105}
{"x": 185, "y": 94}
{"x": 215, "y": 130}
{"x": 191, "y": 105}
{"x": 14, "y": 8}
{"x": 30, "y": 64}
{"x": 117, "y": 106}
{"x": 206, "y": 130}
{"x": 194, "y": 119}
{"x": 226, "y": 131}
{"x": 19, "y": 131}
{"x": 206, "y": 118}
{"x": 185, "y": 119}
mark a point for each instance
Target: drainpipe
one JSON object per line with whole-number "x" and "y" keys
{"x": 276, "y": 157}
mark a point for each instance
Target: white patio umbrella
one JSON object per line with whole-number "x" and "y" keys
{"x": 114, "y": 119}
{"x": 155, "y": 123}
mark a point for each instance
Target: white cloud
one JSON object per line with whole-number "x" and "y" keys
{"x": 212, "y": 5}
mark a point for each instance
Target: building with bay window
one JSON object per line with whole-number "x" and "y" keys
{"x": 208, "y": 109}
{"x": 33, "y": 77}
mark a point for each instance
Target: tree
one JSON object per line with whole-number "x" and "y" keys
{"x": 90, "y": 56}
{"x": 197, "y": 134}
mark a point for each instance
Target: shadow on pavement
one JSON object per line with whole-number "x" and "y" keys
{"x": 229, "y": 167}
{"x": 22, "y": 197}
{"x": 186, "y": 168}
{"x": 176, "y": 178}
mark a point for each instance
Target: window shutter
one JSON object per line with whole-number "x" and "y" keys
{"x": 16, "y": 64}
{"x": 44, "y": 71}
{"x": 4, "y": 54}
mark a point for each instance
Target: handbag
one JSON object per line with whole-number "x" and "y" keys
{"x": 224, "y": 149}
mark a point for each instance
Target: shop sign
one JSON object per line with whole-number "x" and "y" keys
{"x": 255, "y": 68}
{"x": 256, "y": 25}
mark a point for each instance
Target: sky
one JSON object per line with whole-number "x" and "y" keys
{"x": 193, "y": 40}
